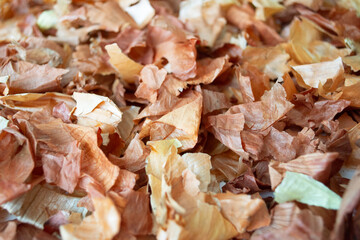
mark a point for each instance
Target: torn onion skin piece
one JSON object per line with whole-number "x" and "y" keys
{"x": 179, "y": 119}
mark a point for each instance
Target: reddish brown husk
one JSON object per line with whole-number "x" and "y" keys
{"x": 177, "y": 119}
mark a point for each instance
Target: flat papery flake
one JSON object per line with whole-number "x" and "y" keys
{"x": 181, "y": 119}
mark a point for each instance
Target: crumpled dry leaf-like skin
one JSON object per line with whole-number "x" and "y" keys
{"x": 245, "y": 213}
{"x": 339, "y": 142}
{"x": 64, "y": 148}
{"x": 312, "y": 4}
{"x": 190, "y": 183}
{"x": 126, "y": 180}
{"x": 266, "y": 8}
{"x": 305, "y": 142}
{"x": 151, "y": 79}
{"x": 126, "y": 235}
{"x": 171, "y": 179}
{"x": 126, "y": 125}
{"x": 253, "y": 143}
{"x": 309, "y": 114}
{"x": 283, "y": 214}
{"x": 200, "y": 165}
{"x": 75, "y": 18}
{"x": 316, "y": 165}
{"x": 8, "y": 231}
{"x": 28, "y": 77}
{"x": 226, "y": 128}
{"x": 60, "y": 218}
{"x": 32, "y": 102}
{"x": 37, "y": 205}
{"x": 163, "y": 153}
{"x": 289, "y": 86}
{"x": 279, "y": 145}
{"x": 228, "y": 164}
{"x": 353, "y": 6}
{"x": 79, "y": 82}
{"x": 346, "y": 18}
{"x": 166, "y": 28}
{"x": 103, "y": 224}
{"x": 328, "y": 216}
{"x": 93, "y": 158}
{"x": 207, "y": 222}
{"x": 350, "y": 93}
{"x": 346, "y": 122}
{"x": 24, "y": 231}
{"x": 207, "y": 215}
{"x": 306, "y": 45}
{"x": 94, "y": 190}
{"x": 351, "y": 197}
{"x": 211, "y": 119}
{"x": 261, "y": 171}
{"x": 181, "y": 188}
{"x": 11, "y": 190}
{"x": 174, "y": 231}
{"x": 130, "y": 40}
{"x": 245, "y": 183}
{"x": 213, "y": 101}
{"x": 96, "y": 111}
{"x": 167, "y": 36}
{"x": 186, "y": 121}
{"x": 60, "y": 156}
{"x": 136, "y": 217}
{"x": 38, "y": 54}
{"x": 316, "y": 74}
{"x": 353, "y": 62}
{"x": 174, "y": 86}
{"x": 261, "y": 115}
{"x": 87, "y": 61}
{"x": 134, "y": 156}
{"x": 245, "y": 88}
{"x": 165, "y": 103}
{"x": 325, "y": 24}
{"x": 33, "y": 43}
{"x": 17, "y": 163}
{"x": 108, "y": 16}
{"x": 208, "y": 69}
{"x": 111, "y": 144}
{"x": 213, "y": 225}
{"x": 300, "y": 224}
{"x": 205, "y": 19}
{"x": 73, "y": 36}
{"x": 270, "y": 60}
{"x": 17, "y": 160}
{"x": 243, "y": 19}
{"x": 260, "y": 82}
{"x": 354, "y": 136}
{"x": 181, "y": 57}
{"x": 128, "y": 69}
{"x": 9, "y": 29}
{"x": 156, "y": 199}
{"x": 62, "y": 111}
